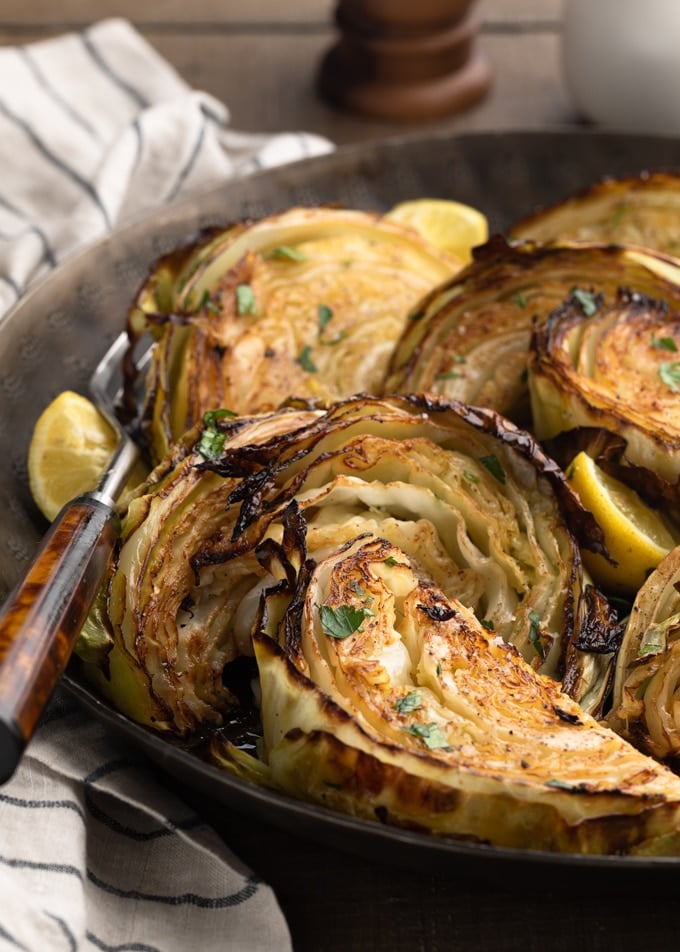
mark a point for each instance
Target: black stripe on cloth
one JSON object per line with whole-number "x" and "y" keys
{"x": 169, "y": 828}
{"x": 4, "y": 934}
{"x": 54, "y": 95}
{"x": 126, "y": 947}
{"x": 11, "y": 283}
{"x": 135, "y": 95}
{"x": 26, "y": 804}
{"x": 248, "y": 890}
{"x": 139, "y": 135}
{"x": 10, "y": 238}
{"x": 68, "y": 935}
{"x": 48, "y": 253}
{"x": 213, "y": 116}
{"x": 54, "y": 160}
{"x": 191, "y": 161}
{"x": 66, "y": 868}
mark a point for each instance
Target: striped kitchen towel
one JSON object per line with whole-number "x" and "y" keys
{"x": 95, "y": 127}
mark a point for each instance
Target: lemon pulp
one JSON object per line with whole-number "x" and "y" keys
{"x": 69, "y": 450}
{"x": 451, "y": 226}
{"x": 636, "y": 536}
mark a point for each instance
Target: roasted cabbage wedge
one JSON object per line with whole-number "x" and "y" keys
{"x": 402, "y": 575}
{"x": 612, "y": 363}
{"x": 641, "y": 210}
{"x": 307, "y": 304}
{"x": 645, "y": 705}
{"x": 469, "y": 339}
{"x": 412, "y": 712}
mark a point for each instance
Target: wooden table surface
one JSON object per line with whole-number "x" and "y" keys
{"x": 260, "y": 57}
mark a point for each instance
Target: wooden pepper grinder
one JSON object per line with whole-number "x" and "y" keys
{"x": 405, "y": 59}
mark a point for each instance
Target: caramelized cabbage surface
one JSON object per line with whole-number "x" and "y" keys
{"x": 641, "y": 210}
{"x": 645, "y": 705}
{"x": 305, "y": 304}
{"x": 469, "y": 339}
{"x": 612, "y": 364}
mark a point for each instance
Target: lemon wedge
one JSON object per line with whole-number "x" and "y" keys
{"x": 451, "y": 226}
{"x": 69, "y": 451}
{"x": 635, "y": 535}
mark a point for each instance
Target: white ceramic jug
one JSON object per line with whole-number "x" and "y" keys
{"x": 621, "y": 62}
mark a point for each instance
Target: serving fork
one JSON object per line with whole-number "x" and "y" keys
{"x": 43, "y": 615}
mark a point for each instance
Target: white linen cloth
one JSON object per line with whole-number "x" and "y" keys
{"x": 94, "y": 854}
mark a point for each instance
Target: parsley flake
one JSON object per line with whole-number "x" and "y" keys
{"x": 669, "y": 371}
{"x": 245, "y": 300}
{"x": 343, "y": 621}
{"x": 409, "y": 702}
{"x": 212, "y": 440}
{"x": 559, "y": 784}
{"x": 534, "y": 634}
{"x": 305, "y": 360}
{"x": 390, "y": 560}
{"x": 664, "y": 343}
{"x": 493, "y": 465}
{"x": 325, "y": 314}
{"x": 586, "y": 299}
{"x": 287, "y": 253}
{"x": 434, "y": 736}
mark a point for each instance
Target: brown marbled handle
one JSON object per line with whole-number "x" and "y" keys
{"x": 43, "y": 616}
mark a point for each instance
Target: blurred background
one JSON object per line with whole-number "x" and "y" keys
{"x": 261, "y": 58}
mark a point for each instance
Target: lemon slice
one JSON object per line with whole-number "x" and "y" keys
{"x": 635, "y": 535}
{"x": 449, "y": 225}
{"x": 69, "y": 451}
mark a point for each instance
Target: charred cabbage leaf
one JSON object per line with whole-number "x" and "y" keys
{"x": 474, "y": 506}
{"x": 645, "y": 705}
{"x": 469, "y": 339}
{"x": 304, "y": 304}
{"x": 613, "y": 365}
{"x": 639, "y": 210}
{"x": 416, "y": 714}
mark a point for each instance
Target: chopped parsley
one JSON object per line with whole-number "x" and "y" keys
{"x": 487, "y": 623}
{"x": 493, "y": 465}
{"x": 305, "y": 360}
{"x": 208, "y": 304}
{"x": 534, "y": 634}
{"x": 664, "y": 343}
{"x": 471, "y": 477}
{"x": 409, "y": 702}
{"x": 434, "y": 736}
{"x": 343, "y": 621}
{"x": 586, "y": 299}
{"x": 287, "y": 253}
{"x": 559, "y": 784}
{"x": 245, "y": 300}
{"x": 212, "y": 440}
{"x": 390, "y": 560}
{"x": 325, "y": 314}
{"x": 520, "y": 300}
{"x": 335, "y": 340}
{"x": 669, "y": 371}
{"x": 653, "y": 641}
